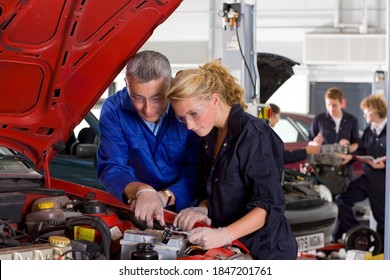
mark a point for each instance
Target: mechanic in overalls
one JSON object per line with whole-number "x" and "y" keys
{"x": 335, "y": 125}
{"x": 296, "y": 155}
{"x": 242, "y": 163}
{"x": 371, "y": 184}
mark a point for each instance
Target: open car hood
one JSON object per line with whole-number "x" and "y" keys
{"x": 274, "y": 70}
{"x": 56, "y": 60}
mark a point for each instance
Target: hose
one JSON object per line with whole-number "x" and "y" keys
{"x": 92, "y": 221}
{"x": 95, "y": 222}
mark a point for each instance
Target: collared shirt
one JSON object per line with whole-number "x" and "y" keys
{"x": 324, "y": 124}
{"x": 373, "y": 145}
{"x": 378, "y": 127}
{"x": 245, "y": 175}
{"x": 155, "y": 126}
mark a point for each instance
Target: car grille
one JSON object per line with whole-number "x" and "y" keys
{"x": 304, "y": 204}
{"x": 312, "y": 225}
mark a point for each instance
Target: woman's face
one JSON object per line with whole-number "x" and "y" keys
{"x": 197, "y": 114}
{"x": 371, "y": 115}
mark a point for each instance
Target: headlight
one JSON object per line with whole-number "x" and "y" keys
{"x": 324, "y": 192}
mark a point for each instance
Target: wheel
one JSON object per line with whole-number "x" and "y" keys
{"x": 364, "y": 239}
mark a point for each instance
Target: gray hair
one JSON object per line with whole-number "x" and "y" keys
{"x": 149, "y": 65}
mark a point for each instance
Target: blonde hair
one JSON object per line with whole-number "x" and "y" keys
{"x": 375, "y": 102}
{"x": 202, "y": 82}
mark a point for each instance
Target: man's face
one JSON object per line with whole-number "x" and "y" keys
{"x": 148, "y": 98}
{"x": 333, "y": 106}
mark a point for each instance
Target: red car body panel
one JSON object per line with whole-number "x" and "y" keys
{"x": 56, "y": 60}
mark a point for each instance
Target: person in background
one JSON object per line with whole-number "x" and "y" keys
{"x": 146, "y": 156}
{"x": 296, "y": 155}
{"x": 371, "y": 184}
{"x": 335, "y": 125}
{"x": 242, "y": 165}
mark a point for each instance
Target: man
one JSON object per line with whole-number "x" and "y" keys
{"x": 335, "y": 125}
{"x": 295, "y": 155}
{"x": 371, "y": 184}
{"x": 146, "y": 157}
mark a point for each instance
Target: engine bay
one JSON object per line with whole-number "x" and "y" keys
{"x": 36, "y": 226}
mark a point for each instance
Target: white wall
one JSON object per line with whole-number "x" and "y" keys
{"x": 192, "y": 35}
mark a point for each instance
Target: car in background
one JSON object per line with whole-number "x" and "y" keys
{"x": 77, "y": 162}
{"x": 293, "y": 129}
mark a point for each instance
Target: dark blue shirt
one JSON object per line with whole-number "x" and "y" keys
{"x": 325, "y": 124}
{"x": 375, "y": 146}
{"x": 247, "y": 174}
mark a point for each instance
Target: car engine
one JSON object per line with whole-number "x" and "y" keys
{"x": 328, "y": 168}
{"x": 58, "y": 227}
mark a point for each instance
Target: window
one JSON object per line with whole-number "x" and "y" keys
{"x": 286, "y": 131}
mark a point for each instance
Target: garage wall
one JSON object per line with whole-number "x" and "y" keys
{"x": 281, "y": 25}
{"x": 282, "y": 22}
{"x": 193, "y": 35}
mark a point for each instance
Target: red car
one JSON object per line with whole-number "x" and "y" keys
{"x": 293, "y": 129}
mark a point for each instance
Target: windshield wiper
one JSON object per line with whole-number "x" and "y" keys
{"x": 11, "y": 157}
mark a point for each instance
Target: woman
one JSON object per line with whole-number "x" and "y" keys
{"x": 371, "y": 184}
{"x": 242, "y": 165}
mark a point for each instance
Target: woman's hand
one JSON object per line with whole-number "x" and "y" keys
{"x": 187, "y": 218}
{"x": 378, "y": 164}
{"x": 209, "y": 238}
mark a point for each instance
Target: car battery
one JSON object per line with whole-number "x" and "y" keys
{"x": 11, "y": 207}
{"x": 167, "y": 251}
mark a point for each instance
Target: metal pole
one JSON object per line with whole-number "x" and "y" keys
{"x": 387, "y": 190}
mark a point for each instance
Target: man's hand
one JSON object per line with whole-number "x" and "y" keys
{"x": 318, "y": 139}
{"x": 312, "y": 149}
{"x": 344, "y": 142}
{"x": 209, "y": 238}
{"x": 148, "y": 205}
{"x": 188, "y": 217}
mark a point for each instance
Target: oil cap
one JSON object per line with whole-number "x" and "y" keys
{"x": 94, "y": 207}
{"x": 46, "y": 205}
{"x": 59, "y": 241}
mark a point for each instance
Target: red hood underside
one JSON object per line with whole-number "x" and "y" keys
{"x": 56, "y": 60}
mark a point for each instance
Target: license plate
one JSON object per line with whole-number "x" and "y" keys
{"x": 310, "y": 242}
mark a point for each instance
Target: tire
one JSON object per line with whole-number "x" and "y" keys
{"x": 364, "y": 239}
